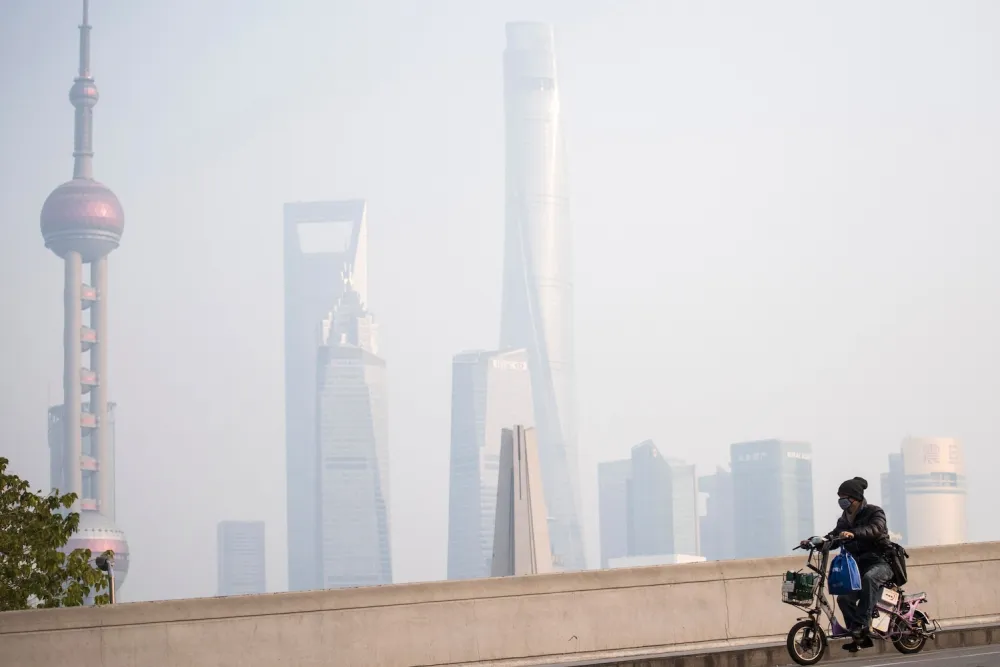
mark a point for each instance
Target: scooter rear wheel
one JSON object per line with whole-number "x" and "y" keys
{"x": 806, "y": 642}
{"x": 909, "y": 640}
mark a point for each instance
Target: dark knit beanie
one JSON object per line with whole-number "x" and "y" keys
{"x": 853, "y": 488}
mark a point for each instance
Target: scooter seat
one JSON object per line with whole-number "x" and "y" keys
{"x": 914, "y": 597}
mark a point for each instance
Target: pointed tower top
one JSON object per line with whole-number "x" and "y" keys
{"x": 85, "y": 41}
{"x": 84, "y": 97}
{"x": 83, "y": 215}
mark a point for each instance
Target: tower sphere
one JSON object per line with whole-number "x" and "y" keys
{"x": 99, "y": 534}
{"x": 83, "y": 93}
{"x": 82, "y": 215}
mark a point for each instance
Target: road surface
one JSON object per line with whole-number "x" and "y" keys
{"x": 978, "y": 656}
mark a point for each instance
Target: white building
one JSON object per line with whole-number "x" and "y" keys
{"x": 935, "y": 489}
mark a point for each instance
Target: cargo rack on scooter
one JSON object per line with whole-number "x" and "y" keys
{"x": 936, "y": 628}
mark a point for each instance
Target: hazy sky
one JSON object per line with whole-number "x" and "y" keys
{"x": 785, "y": 222}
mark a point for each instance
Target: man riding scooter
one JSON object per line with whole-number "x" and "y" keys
{"x": 863, "y": 527}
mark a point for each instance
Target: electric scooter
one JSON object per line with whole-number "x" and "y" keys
{"x": 898, "y": 617}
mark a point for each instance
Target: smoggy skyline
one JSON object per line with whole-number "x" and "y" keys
{"x": 784, "y": 221}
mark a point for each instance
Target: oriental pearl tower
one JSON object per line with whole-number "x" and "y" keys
{"x": 82, "y": 222}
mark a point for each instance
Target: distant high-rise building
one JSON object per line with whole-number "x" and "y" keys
{"x": 82, "y": 222}
{"x": 325, "y": 243}
{"x": 894, "y": 498}
{"x": 717, "y": 526}
{"x": 490, "y": 391}
{"x": 934, "y": 486}
{"x": 521, "y": 532}
{"x": 612, "y": 489}
{"x": 684, "y": 503}
{"x": 649, "y": 508}
{"x": 650, "y": 503}
{"x": 772, "y": 495}
{"x": 537, "y": 311}
{"x": 353, "y": 503}
{"x": 240, "y": 547}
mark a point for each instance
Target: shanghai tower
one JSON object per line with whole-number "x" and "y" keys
{"x": 538, "y": 268}
{"x": 82, "y": 222}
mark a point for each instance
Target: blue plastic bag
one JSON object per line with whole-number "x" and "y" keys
{"x": 844, "y": 575}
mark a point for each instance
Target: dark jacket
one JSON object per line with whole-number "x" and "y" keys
{"x": 871, "y": 535}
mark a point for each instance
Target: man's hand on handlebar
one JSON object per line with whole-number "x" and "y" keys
{"x": 811, "y": 543}
{"x": 846, "y": 535}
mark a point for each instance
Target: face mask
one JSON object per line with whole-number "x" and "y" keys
{"x": 845, "y": 503}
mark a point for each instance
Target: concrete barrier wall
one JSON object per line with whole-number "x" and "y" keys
{"x": 511, "y": 622}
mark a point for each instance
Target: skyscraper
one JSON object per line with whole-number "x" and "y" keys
{"x": 490, "y": 391}
{"x": 894, "y": 498}
{"x": 684, "y": 504}
{"x": 931, "y": 474}
{"x": 82, "y": 222}
{"x": 537, "y": 290}
{"x": 650, "y": 503}
{"x": 649, "y": 509}
{"x": 772, "y": 496}
{"x": 240, "y": 546}
{"x": 325, "y": 243}
{"x": 717, "y": 525}
{"x": 612, "y": 491}
{"x": 354, "y": 527}
{"x": 521, "y": 533}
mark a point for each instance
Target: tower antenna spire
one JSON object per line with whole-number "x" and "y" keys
{"x": 84, "y": 97}
{"x": 85, "y": 41}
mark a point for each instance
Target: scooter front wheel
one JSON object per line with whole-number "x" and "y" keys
{"x": 806, "y": 642}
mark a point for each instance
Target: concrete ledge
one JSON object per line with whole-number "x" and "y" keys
{"x": 354, "y": 599}
{"x": 721, "y": 611}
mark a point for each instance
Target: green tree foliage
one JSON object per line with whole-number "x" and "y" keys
{"x": 34, "y": 571}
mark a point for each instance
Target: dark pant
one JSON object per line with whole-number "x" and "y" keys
{"x": 858, "y": 607}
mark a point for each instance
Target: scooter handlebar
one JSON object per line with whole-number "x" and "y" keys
{"x": 814, "y": 543}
